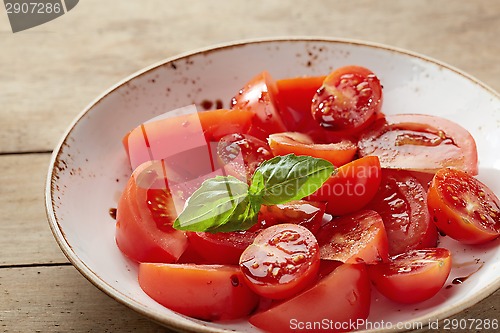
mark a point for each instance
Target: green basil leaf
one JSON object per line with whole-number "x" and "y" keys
{"x": 220, "y": 204}
{"x": 286, "y": 178}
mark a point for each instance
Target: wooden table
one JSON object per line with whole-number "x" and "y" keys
{"x": 48, "y": 74}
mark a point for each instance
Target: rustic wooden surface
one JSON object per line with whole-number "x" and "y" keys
{"x": 48, "y": 74}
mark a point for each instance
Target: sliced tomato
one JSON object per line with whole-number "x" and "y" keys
{"x": 241, "y": 154}
{"x": 349, "y": 99}
{"x": 208, "y": 292}
{"x": 227, "y": 247}
{"x": 352, "y": 187}
{"x": 340, "y": 298}
{"x": 302, "y": 145}
{"x": 421, "y": 143}
{"x": 402, "y": 203}
{"x": 413, "y": 276}
{"x": 189, "y": 134}
{"x": 259, "y": 97}
{"x": 357, "y": 237}
{"x": 145, "y": 213}
{"x": 282, "y": 260}
{"x": 463, "y": 207}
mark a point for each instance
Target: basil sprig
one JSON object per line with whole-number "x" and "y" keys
{"x": 225, "y": 203}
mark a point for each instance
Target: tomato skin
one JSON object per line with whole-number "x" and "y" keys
{"x": 420, "y": 142}
{"x": 141, "y": 234}
{"x": 342, "y": 296}
{"x": 352, "y": 187}
{"x": 302, "y": 145}
{"x": 282, "y": 260}
{"x": 348, "y": 99}
{"x": 207, "y": 292}
{"x": 402, "y": 203}
{"x": 153, "y": 140}
{"x": 412, "y": 277}
{"x": 354, "y": 238}
{"x": 464, "y": 208}
{"x": 259, "y": 97}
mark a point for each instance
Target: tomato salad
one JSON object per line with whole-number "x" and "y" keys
{"x": 302, "y": 195}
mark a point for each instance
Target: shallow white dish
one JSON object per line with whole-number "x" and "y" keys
{"x": 89, "y": 167}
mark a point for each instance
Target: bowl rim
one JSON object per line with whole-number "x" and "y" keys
{"x": 136, "y": 306}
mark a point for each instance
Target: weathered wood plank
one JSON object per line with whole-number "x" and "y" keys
{"x": 53, "y": 71}
{"x": 25, "y": 236}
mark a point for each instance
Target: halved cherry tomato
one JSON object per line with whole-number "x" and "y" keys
{"x": 227, "y": 247}
{"x": 302, "y": 145}
{"x": 259, "y": 97}
{"x": 343, "y": 296}
{"x": 413, "y": 276}
{"x": 208, "y": 292}
{"x": 421, "y": 143}
{"x": 349, "y": 98}
{"x": 402, "y": 203}
{"x": 354, "y": 238}
{"x": 241, "y": 154}
{"x": 463, "y": 207}
{"x": 145, "y": 213}
{"x": 352, "y": 187}
{"x": 188, "y": 134}
{"x": 282, "y": 260}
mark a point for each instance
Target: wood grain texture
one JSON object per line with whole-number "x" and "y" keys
{"x": 48, "y": 75}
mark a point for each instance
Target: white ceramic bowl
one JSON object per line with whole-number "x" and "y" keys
{"x": 89, "y": 169}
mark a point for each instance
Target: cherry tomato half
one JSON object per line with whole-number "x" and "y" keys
{"x": 420, "y": 143}
{"x": 259, "y": 97}
{"x": 145, "y": 213}
{"x": 463, "y": 207}
{"x": 282, "y": 260}
{"x": 413, "y": 276}
{"x": 402, "y": 203}
{"x": 354, "y": 238}
{"x": 302, "y": 145}
{"x": 343, "y": 296}
{"x": 348, "y": 99}
{"x": 352, "y": 187}
{"x": 208, "y": 292}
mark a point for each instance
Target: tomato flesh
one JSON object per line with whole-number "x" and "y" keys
{"x": 412, "y": 277}
{"x": 352, "y": 187}
{"x": 348, "y": 99}
{"x": 258, "y": 96}
{"x": 358, "y": 237}
{"x": 145, "y": 215}
{"x": 402, "y": 203}
{"x": 463, "y": 207}
{"x": 420, "y": 143}
{"x": 302, "y": 145}
{"x": 207, "y": 292}
{"x": 342, "y": 296}
{"x": 282, "y": 260}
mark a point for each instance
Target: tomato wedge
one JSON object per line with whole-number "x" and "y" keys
{"x": 402, "y": 203}
{"x": 349, "y": 99}
{"x": 352, "y": 187}
{"x": 259, "y": 97}
{"x": 145, "y": 213}
{"x": 163, "y": 138}
{"x": 282, "y": 260}
{"x": 358, "y": 237}
{"x": 302, "y": 145}
{"x": 208, "y": 292}
{"x": 463, "y": 207}
{"x": 412, "y": 277}
{"x": 421, "y": 143}
{"x": 343, "y": 296}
